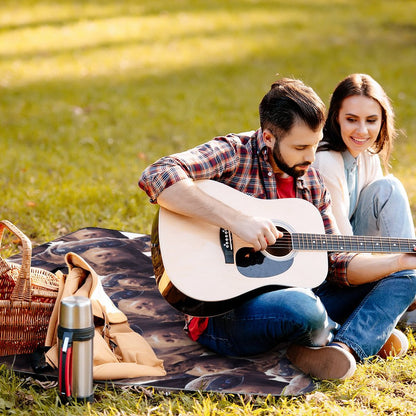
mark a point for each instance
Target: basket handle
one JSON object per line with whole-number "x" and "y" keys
{"x": 21, "y": 291}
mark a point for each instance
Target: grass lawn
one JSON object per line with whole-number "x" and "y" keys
{"x": 93, "y": 91}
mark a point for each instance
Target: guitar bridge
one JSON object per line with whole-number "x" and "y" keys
{"x": 226, "y": 241}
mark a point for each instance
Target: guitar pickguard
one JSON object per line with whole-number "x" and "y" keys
{"x": 252, "y": 263}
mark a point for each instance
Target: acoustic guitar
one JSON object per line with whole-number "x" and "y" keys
{"x": 204, "y": 270}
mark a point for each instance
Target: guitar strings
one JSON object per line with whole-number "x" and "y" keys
{"x": 357, "y": 242}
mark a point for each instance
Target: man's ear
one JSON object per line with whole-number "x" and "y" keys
{"x": 269, "y": 138}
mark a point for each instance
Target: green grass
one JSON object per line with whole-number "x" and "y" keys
{"x": 93, "y": 91}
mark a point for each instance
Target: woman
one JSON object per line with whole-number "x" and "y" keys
{"x": 358, "y": 133}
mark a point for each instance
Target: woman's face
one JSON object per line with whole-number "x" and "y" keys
{"x": 360, "y": 121}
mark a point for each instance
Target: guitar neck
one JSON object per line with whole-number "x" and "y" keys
{"x": 360, "y": 244}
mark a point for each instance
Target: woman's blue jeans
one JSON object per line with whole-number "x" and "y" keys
{"x": 368, "y": 313}
{"x": 383, "y": 210}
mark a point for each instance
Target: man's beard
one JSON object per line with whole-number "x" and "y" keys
{"x": 284, "y": 167}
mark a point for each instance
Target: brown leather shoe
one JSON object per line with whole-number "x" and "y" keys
{"x": 325, "y": 363}
{"x": 396, "y": 345}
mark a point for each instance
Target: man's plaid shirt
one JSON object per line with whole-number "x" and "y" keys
{"x": 241, "y": 161}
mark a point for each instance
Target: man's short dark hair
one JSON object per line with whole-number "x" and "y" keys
{"x": 290, "y": 100}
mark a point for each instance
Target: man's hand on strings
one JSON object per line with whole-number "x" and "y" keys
{"x": 258, "y": 231}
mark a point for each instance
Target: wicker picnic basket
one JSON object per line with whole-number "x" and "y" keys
{"x": 27, "y": 297}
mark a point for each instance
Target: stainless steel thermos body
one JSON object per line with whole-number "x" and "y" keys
{"x": 75, "y": 338}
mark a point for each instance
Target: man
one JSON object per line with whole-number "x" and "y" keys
{"x": 274, "y": 162}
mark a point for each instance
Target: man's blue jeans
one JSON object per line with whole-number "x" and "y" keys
{"x": 259, "y": 325}
{"x": 365, "y": 315}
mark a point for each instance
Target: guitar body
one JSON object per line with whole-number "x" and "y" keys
{"x": 215, "y": 279}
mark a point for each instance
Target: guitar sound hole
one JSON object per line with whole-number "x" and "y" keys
{"x": 283, "y": 245}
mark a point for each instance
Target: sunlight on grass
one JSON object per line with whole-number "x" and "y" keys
{"x": 98, "y": 41}
{"x": 145, "y": 44}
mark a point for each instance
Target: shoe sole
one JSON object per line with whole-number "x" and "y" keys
{"x": 325, "y": 363}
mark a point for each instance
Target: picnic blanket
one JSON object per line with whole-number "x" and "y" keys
{"x": 122, "y": 260}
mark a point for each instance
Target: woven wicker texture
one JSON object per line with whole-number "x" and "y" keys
{"x": 27, "y": 297}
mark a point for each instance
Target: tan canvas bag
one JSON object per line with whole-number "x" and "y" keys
{"x": 119, "y": 352}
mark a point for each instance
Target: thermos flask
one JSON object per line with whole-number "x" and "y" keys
{"x": 75, "y": 338}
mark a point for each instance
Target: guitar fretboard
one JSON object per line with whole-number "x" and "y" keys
{"x": 361, "y": 244}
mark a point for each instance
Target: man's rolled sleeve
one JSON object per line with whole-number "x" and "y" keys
{"x": 338, "y": 264}
{"x": 159, "y": 176}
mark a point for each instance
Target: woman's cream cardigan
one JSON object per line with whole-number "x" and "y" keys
{"x": 330, "y": 165}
